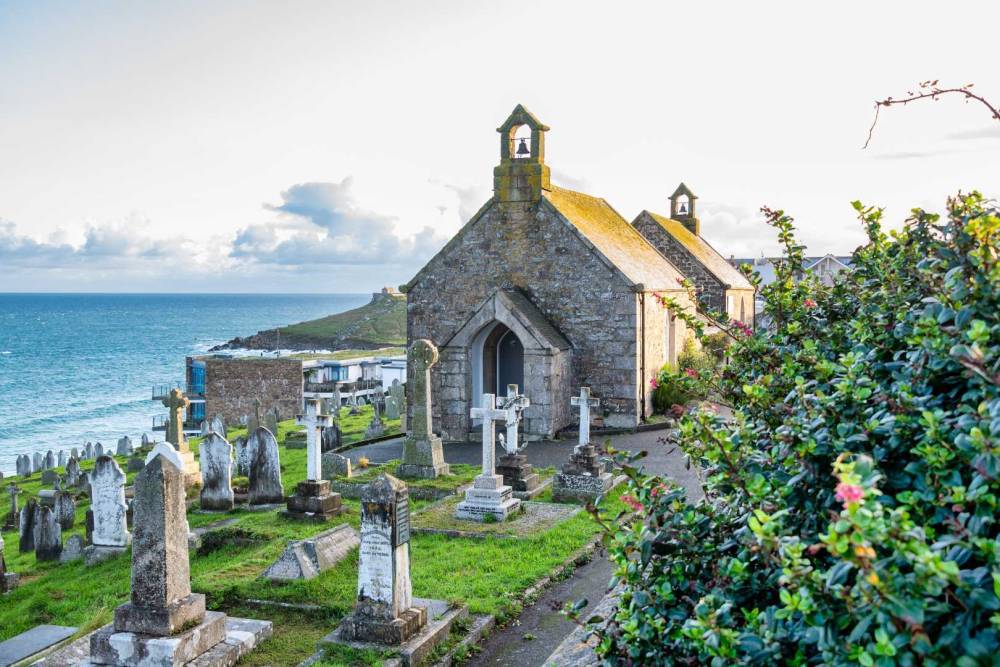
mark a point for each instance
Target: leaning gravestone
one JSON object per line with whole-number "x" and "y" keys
{"x": 48, "y": 535}
{"x": 165, "y": 623}
{"x": 8, "y": 580}
{"x": 384, "y": 610}
{"x": 216, "y": 473}
{"x": 306, "y": 559}
{"x": 264, "y": 469}
{"x": 583, "y": 477}
{"x": 124, "y": 447}
{"x": 423, "y": 455}
{"x": 26, "y": 526}
{"x": 110, "y": 535}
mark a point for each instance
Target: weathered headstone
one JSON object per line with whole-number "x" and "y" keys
{"x": 376, "y": 427}
{"x": 50, "y": 460}
{"x": 145, "y": 440}
{"x": 384, "y": 610}
{"x": 332, "y": 437}
{"x": 306, "y": 559}
{"x": 24, "y": 467}
{"x": 242, "y": 457}
{"x": 37, "y": 461}
{"x": 13, "y": 516}
{"x": 49, "y": 477}
{"x": 110, "y": 534}
{"x": 65, "y": 509}
{"x": 165, "y": 623}
{"x": 313, "y": 498}
{"x": 8, "y": 580}
{"x": 488, "y": 495}
{"x": 177, "y": 403}
{"x": 264, "y": 475}
{"x": 48, "y": 535}
{"x": 98, "y": 450}
{"x": 72, "y": 549}
{"x": 73, "y": 472}
{"x": 391, "y": 408}
{"x": 254, "y": 420}
{"x": 88, "y": 451}
{"x": 74, "y": 453}
{"x": 583, "y": 477}
{"x": 61, "y": 458}
{"x": 271, "y": 421}
{"x": 517, "y": 473}
{"x": 423, "y": 455}
{"x": 216, "y": 471}
{"x": 26, "y": 526}
{"x": 125, "y": 447}
{"x": 218, "y": 426}
{"x": 135, "y": 464}
{"x": 335, "y": 465}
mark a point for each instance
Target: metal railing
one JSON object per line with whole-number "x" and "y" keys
{"x": 161, "y": 391}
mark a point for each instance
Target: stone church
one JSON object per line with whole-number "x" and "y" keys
{"x": 549, "y": 289}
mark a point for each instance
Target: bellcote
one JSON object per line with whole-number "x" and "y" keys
{"x": 682, "y": 209}
{"x": 522, "y": 173}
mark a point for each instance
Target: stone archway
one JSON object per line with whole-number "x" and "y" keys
{"x": 499, "y": 358}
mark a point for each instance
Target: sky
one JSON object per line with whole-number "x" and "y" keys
{"x": 335, "y": 146}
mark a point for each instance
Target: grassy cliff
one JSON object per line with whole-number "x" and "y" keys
{"x": 377, "y": 324}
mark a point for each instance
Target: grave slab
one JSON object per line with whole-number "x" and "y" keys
{"x": 306, "y": 559}
{"x": 31, "y": 642}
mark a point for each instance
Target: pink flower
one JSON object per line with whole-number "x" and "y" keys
{"x": 633, "y": 502}
{"x": 809, "y": 303}
{"x": 691, "y": 373}
{"x": 849, "y": 493}
{"x": 654, "y": 383}
{"x": 658, "y": 489}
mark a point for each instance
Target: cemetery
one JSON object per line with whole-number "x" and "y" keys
{"x": 292, "y": 568}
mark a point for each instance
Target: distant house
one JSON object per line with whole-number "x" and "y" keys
{"x": 825, "y": 266}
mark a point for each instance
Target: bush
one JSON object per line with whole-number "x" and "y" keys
{"x": 851, "y": 502}
{"x": 680, "y": 385}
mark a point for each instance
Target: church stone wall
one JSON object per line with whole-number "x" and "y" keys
{"x": 709, "y": 288}
{"x": 525, "y": 246}
{"x": 231, "y": 385}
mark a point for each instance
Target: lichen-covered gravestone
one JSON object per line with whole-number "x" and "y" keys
{"x": 65, "y": 509}
{"x": 24, "y": 467}
{"x": 313, "y": 499}
{"x": 48, "y": 535}
{"x": 336, "y": 465}
{"x": 177, "y": 403}
{"x": 37, "y": 461}
{"x": 218, "y": 426}
{"x": 73, "y": 472}
{"x": 271, "y": 421}
{"x": 384, "y": 610}
{"x": 165, "y": 623}
{"x": 110, "y": 534}
{"x": 98, "y": 450}
{"x": 61, "y": 458}
{"x": 72, "y": 549}
{"x": 50, "y": 460}
{"x": 8, "y": 580}
{"x": 423, "y": 455}
{"x": 264, "y": 476}
{"x": 124, "y": 447}
{"x": 49, "y": 476}
{"x": 242, "y": 457}
{"x": 26, "y": 526}
{"x": 583, "y": 477}
{"x": 216, "y": 471}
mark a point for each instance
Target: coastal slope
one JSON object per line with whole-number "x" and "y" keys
{"x": 379, "y": 323}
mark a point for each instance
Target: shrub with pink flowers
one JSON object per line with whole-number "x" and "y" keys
{"x": 851, "y": 501}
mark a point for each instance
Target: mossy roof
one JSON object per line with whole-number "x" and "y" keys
{"x": 615, "y": 239}
{"x": 700, "y": 249}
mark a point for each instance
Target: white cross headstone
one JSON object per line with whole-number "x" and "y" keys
{"x": 585, "y": 403}
{"x": 315, "y": 422}
{"x": 488, "y": 415}
{"x": 513, "y": 404}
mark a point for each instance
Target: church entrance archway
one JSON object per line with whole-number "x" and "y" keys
{"x": 499, "y": 356}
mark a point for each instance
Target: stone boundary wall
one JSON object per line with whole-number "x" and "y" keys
{"x": 231, "y": 385}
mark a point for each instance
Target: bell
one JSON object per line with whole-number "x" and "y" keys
{"x": 684, "y": 208}
{"x": 523, "y": 149}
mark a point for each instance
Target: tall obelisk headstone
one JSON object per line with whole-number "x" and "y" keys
{"x": 582, "y": 477}
{"x": 488, "y": 495}
{"x": 313, "y": 499}
{"x": 177, "y": 403}
{"x": 423, "y": 455}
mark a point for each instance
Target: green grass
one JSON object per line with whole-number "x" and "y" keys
{"x": 460, "y": 474}
{"x": 381, "y": 322}
{"x": 341, "y": 355}
{"x": 489, "y": 574}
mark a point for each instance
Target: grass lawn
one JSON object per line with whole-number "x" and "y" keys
{"x": 381, "y": 322}
{"x": 341, "y": 355}
{"x": 487, "y": 574}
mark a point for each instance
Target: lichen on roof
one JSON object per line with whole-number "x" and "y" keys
{"x": 700, "y": 249}
{"x": 616, "y": 239}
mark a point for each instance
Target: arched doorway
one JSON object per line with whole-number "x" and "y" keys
{"x": 498, "y": 361}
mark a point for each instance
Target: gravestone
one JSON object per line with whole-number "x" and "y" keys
{"x": 13, "y": 516}
{"x": 165, "y": 623}
{"x": 26, "y": 526}
{"x": 61, "y": 458}
{"x": 242, "y": 457}
{"x": 423, "y": 455}
{"x": 109, "y": 532}
{"x": 376, "y": 428}
{"x": 488, "y": 495}
{"x": 88, "y": 451}
{"x": 384, "y": 610}
{"x": 50, "y": 460}
{"x": 306, "y": 559}
{"x": 391, "y": 408}
{"x": 73, "y": 472}
{"x": 336, "y": 402}
{"x": 50, "y": 477}
{"x": 135, "y": 464}
{"x": 218, "y": 426}
{"x": 335, "y": 465}
{"x": 37, "y": 461}
{"x": 8, "y": 580}
{"x": 271, "y": 421}
{"x": 65, "y": 509}
{"x": 254, "y": 420}
{"x": 98, "y": 450}
{"x": 47, "y": 497}
{"x": 216, "y": 471}
{"x": 517, "y": 473}
{"x": 24, "y": 467}
{"x": 583, "y": 477}
{"x": 125, "y": 447}
{"x": 145, "y": 440}
{"x": 264, "y": 469}
{"x": 313, "y": 499}
{"x": 205, "y": 428}
{"x": 48, "y": 535}
{"x": 177, "y": 403}
{"x": 72, "y": 549}
{"x": 74, "y": 453}
{"x": 332, "y": 437}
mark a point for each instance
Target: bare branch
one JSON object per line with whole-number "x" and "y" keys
{"x": 931, "y": 90}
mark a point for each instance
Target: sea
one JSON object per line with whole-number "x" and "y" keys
{"x": 81, "y": 367}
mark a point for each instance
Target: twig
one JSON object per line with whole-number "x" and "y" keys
{"x": 930, "y": 90}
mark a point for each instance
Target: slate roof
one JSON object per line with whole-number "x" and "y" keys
{"x": 765, "y": 265}
{"x": 700, "y": 249}
{"x": 614, "y": 238}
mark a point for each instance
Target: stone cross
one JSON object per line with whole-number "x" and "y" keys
{"x": 513, "y": 404}
{"x": 13, "y": 490}
{"x": 585, "y": 402}
{"x": 488, "y": 414}
{"x": 176, "y": 402}
{"x": 422, "y": 355}
{"x": 315, "y": 422}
